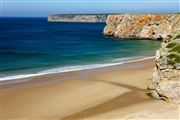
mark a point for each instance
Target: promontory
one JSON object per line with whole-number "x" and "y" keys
{"x": 87, "y": 18}
{"x": 141, "y": 26}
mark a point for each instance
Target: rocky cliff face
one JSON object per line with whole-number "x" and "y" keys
{"x": 77, "y": 18}
{"x": 142, "y": 26}
{"x": 166, "y": 76}
{"x": 165, "y": 82}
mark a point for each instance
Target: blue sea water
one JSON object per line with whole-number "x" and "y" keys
{"x": 33, "y": 46}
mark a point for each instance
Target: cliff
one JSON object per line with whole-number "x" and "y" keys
{"x": 165, "y": 83}
{"x": 141, "y": 26}
{"x": 89, "y": 18}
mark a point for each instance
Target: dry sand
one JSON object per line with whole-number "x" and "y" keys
{"x": 116, "y": 92}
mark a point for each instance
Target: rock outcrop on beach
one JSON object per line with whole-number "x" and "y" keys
{"x": 166, "y": 76}
{"x": 89, "y": 18}
{"x": 141, "y": 26}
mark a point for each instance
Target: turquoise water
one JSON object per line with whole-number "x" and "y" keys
{"x": 32, "y": 46}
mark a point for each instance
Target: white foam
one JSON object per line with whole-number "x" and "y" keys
{"x": 128, "y": 58}
{"x": 75, "y": 68}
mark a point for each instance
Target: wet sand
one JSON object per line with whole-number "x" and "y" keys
{"x": 116, "y": 92}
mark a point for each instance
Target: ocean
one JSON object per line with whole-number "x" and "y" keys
{"x": 32, "y": 47}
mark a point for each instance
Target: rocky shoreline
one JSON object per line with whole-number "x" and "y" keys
{"x": 165, "y": 82}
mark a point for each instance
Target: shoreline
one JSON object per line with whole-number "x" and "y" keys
{"x": 71, "y": 69}
{"x": 115, "y": 92}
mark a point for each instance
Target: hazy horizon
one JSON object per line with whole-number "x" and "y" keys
{"x": 43, "y": 8}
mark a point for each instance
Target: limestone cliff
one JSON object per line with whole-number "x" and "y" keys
{"x": 166, "y": 76}
{"x": 142, "y": 26}
{"x": 89, "y": 18}
{"x": 165, "y": 82}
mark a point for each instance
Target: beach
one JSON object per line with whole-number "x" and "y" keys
{"x": 114, "y": 92}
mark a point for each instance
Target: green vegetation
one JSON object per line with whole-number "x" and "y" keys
{"x": 173, "y": 59}
{"x": 176, "y": 49}
{"x": 171, "y": 45}
{"x": 178, "y": 36}
{"x": 171, "y": 62}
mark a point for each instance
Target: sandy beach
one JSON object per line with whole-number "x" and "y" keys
{"x": 116, "y": 92}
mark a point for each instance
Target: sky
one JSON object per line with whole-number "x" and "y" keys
{"x": 42, "y": 8}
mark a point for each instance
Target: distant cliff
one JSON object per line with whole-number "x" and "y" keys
{"x": 142, "y": 26}
{"x": 89, "y": 18}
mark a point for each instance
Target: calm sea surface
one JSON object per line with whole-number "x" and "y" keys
{"x": 32, "y": 46}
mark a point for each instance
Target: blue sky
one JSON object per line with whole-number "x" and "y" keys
{"x": 38, "y": 8}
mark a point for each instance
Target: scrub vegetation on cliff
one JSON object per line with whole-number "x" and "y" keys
{"x": 176, "y": 49}
{"x": 173, "y": 59}
{"x": 166, "y": 76}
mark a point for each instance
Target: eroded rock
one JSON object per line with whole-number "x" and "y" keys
{"x": 166, "y": 76}
{"x": 142, "y": 26}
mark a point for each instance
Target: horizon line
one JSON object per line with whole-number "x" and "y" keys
{"x": 82, "y": 14}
